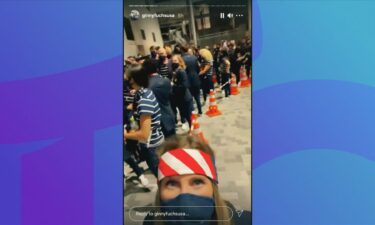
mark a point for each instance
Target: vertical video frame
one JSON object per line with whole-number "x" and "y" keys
{"x": 187, "y": 112}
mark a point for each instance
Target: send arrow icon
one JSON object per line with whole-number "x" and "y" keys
{"x": 239, "y": 212}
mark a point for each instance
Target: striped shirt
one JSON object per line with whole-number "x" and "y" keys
{"x": 128, "y": 97}
{"x": 164, "y": 71}
{"x": 145, "y": 103}
{"x": 210, "y": 63}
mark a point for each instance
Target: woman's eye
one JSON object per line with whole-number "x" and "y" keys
{"x": 198, "y": 182}
{"x": 171, "y": 183}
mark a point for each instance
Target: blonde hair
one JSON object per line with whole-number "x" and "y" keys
{"x": 206, "y": 54}
{"x": 162, "y": 51}
{"x": 181, "y": 61}
{"x": 168, "y": 50}
{"x": 222, "y": 214}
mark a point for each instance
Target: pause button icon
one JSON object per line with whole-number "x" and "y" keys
{"x": 222, "y": 15}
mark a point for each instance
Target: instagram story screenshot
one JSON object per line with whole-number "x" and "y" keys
{"x": 187, "y": 112}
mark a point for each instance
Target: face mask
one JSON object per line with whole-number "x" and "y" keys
{"x": 175, "y": 66}
{"x": 153, "y": 54}
{"x": 194, "y": 213}
{"x": 161, "y": 59}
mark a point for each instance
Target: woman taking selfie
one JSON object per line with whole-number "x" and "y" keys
{"x": 188, "y": 191}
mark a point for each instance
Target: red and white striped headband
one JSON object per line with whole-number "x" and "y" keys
{"x": 186, "y": 161}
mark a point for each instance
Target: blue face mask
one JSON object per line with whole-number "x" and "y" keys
{"x": 183, "y": 201}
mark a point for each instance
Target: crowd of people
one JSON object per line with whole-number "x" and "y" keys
{"x": 165, "y": 83}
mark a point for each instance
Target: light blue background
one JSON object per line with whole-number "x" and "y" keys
{"x": 313, "y": 112}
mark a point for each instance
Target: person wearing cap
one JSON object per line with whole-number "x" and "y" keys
{"x": 147, "y": 114}
{"x": 188, "y": 191}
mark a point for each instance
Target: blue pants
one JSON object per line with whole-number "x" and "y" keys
{"x": 168, "y": 133}
{"x": 149, "y": 154}
{"x": 129, "y": 159}
{"x": 195, "y": 92}
{"x": 207, "y": 85}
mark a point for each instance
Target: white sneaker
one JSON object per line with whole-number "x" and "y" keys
{"x": 185, "y": 127}
{"x": 144, "y": 180}
{"x": 125, "y": 173}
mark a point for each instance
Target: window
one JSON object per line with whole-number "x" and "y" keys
{"x": 206, "y": 22}
{"x": 143, "y": 34}
{"x": 202, "y": 17}
{"x": 203, "y": 23}
{"x": 153, "y": 36}
{"x": 128, "y": 29}
{"x": 198, "y": 24}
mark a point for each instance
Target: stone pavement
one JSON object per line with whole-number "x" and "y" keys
{"x": 230, "y": 137}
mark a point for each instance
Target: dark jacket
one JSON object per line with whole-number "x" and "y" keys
{"x": 192, "y": 70}
{"x": 161, "y": 88}
{"x": 180, "y": 87}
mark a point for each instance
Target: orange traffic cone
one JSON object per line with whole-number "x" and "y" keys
{"x": 194, "y": 116}
{"x": 195, "y": 128}
{"x": 233, "y": 86}
{"x": 245, "y": 82}
{"x": 212, "y": 107}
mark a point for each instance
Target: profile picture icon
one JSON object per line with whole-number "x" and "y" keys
{"x": 134, "y": 15}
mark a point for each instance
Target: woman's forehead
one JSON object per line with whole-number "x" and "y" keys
{"x": 185, "y": 177}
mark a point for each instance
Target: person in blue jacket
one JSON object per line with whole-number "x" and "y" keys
{"x": 192, "y": 71}
{"x": 180, "y": 90}
{"x": 161, "y": 87}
